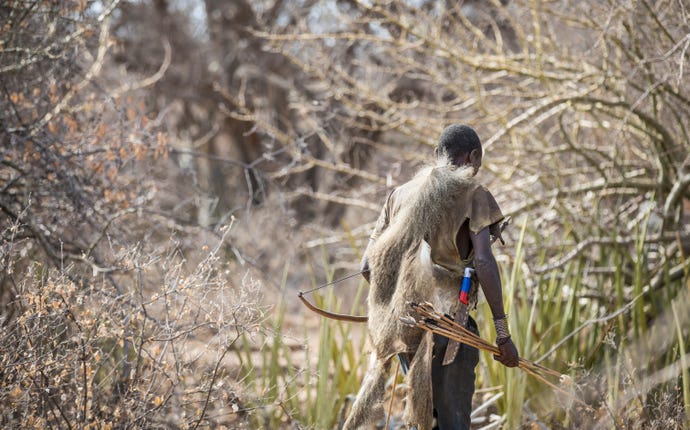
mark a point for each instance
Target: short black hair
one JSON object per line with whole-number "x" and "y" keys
{"x": 458, "y": 139}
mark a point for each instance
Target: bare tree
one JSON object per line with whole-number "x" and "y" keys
{"x": 590, "y": 110}
{"x": 113, "y": 309}
{"x": 582, "y": 107}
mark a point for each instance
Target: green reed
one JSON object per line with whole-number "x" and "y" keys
{"x": 593, "y": 318}
{"x": 306, "y": 386}
{"x": 597, "y": 319}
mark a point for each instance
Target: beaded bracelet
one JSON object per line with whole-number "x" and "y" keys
{"x": 501, "y": 325}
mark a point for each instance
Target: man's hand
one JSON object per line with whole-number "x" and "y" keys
{"x": 509, "y": 355}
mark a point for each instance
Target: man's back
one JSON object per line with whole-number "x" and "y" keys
{"x": 413, "y": 255}
{"x": 433, "y": 207}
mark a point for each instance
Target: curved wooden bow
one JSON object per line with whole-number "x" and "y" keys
{"x": 331, "y": 315}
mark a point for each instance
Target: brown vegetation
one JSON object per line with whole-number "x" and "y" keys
{"x": 160, "y": 160}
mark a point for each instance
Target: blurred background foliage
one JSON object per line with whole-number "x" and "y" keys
{"x": 173, "y": 171}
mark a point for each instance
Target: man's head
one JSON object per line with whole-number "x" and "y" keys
{"x": 461, "y": 145}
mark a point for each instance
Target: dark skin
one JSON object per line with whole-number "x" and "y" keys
{"x": 484, "y": 264}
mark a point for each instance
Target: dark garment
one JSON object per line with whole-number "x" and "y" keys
{"x": 453, "y": 385}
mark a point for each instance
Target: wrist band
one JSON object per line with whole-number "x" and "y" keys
{"x": 501, "y": 325}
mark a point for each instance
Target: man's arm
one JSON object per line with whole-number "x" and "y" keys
{"x": 490, "y": 280}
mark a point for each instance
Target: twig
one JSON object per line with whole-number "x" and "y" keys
{"x": 390, "y": 404}
{"x": 148, "y": 81}
{"x": 213, "y": 381}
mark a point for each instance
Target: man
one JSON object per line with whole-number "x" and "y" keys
{"x": 429, "y": 230}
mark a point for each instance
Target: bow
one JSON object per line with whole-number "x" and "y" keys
{"x": 328, "y": 314}
{"x": 331, "y": 315}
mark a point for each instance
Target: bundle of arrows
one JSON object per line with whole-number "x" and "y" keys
{"x": 427, "y": 318}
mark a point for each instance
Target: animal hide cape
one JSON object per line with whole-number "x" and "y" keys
{"x": 413, "y": 257}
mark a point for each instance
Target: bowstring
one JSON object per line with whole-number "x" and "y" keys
{"x": 328, "y": 284}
